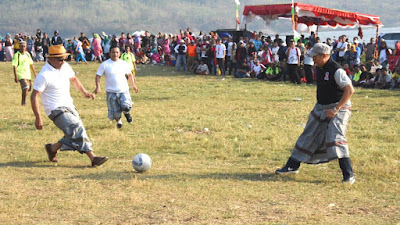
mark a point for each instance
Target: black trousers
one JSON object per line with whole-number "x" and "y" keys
{"x": 294, "y": 73}
{"x": 309, "y": 74}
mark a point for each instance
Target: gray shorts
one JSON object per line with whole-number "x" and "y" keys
{"x": 25, "y": 84}
{"x": 118, "y": 103}
{"x": 75, "y": 138}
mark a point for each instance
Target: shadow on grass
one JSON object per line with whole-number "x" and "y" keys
{"x": 37, "y": 164}
{"x": 129, "y": 175}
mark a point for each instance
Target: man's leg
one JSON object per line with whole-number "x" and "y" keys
{"x": 25, "y": 89}
{"x": 178, "y": 62}
{"x": 292, "y": 167}
{"x": 347, "y": 170}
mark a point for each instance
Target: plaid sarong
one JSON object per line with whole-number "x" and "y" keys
{"x": 118, "y": 103}
{"x": 75, "y": 138}
{"x": 323, "y": 139}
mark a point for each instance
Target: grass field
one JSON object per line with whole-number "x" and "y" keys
{"x": 224, "y": 176}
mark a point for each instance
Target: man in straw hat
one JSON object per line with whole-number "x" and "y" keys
{"x": 53, "y": 85}
{"x": 23, "y": 64}
{"x": 323, "y": 138}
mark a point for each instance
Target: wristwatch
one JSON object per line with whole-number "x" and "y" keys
{"x": 334, "y": 108}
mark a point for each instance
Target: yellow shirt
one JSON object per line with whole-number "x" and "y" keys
{"x": 23, "y": 63}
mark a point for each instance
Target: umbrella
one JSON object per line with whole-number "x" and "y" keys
{"x": 225, "y": 35}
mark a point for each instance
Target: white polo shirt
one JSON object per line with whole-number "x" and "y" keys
{"x": 54, "y": 85}
{"x": 115, "y": 72}
{"x": 220, "y": 51}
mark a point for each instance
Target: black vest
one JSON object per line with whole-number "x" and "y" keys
{"x": 181, "y": 50}
{"x": 327, "y": 90}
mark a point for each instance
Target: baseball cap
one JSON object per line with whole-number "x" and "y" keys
{"x": 319, "y": 49}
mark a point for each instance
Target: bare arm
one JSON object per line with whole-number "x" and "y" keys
{"x": 98, "y": 89}
{"x": 33, "y": 70}
{"x": 132, "y": 82}
{"x": 15, "y": 74}
{"x": 348, "y": 92}
{"x": 35, "y": 108}
{"x": 78, "y": 85}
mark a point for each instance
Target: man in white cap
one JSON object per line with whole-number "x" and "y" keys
{"x": 180, "y": 51}
{"x": 23, "y": 64}
{"x": 53, "y": 84}
{"x": 323, "y": 138}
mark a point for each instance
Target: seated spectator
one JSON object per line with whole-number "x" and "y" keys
{"x": 274, "y": 72}
{"x": 384, "y": 80}
{"x": 356, "y": 75}
{"x": 258, "y": 70}
{"x": 369, "y": 82}
{"x": 396, "y": 79}
{"x": 346, "y": 68}
{"x": 202, "y": 69}
{"x": 243, "y": 70}
{"x": 362, "y": 77}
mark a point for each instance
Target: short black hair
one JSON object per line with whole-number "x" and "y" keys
{"x": 113, "y": 46}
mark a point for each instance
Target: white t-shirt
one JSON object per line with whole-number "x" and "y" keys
{"x": 342, "y": 80}
{"x": 294, "y": 55}
{"x": 219, "y": 51}
{"x": 115, "y": 72}
{"x": 274, "y": 52}
{"x": 229, "y": 52}
{"x": 341, "y": 45}
{"x": 54, "y": 85}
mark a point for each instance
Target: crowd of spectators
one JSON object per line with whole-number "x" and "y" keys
{"x": 256, "y": 56}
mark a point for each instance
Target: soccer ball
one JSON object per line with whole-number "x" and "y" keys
{"x": 141, "y": 162}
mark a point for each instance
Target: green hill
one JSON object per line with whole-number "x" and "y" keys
{"x": 114, "y": 16}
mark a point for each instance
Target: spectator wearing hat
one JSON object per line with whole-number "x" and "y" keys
{"x": 56, "y": 39}
{"x": 324, "y": 137}
{"x": 8, "y": 47}
{"x": 241, "y": 55}
{"x": 22, "y": 65}
{"x": 53, "y": 85}
{"x": 180, "y": 51}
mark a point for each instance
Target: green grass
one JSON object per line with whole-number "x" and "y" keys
{"x": 225, "y": 176}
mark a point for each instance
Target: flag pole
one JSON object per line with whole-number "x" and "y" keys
{"x": 237, "y": 15}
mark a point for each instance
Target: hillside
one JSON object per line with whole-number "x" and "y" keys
{"x": 73, "y": 16}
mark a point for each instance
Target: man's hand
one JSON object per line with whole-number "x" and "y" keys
{"x": 39, "y": 123}
{"x": 135, "y": 89}
{"x": 16, "y": 79}
{"x": 330, "y": 113}
{"x": 97, "y": 90}
{"x": 90, "y": 95}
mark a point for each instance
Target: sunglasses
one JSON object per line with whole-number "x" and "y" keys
{"x": 61, "y": 59}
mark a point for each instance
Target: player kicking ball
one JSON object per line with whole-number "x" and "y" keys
{"x": 118, "y": 97}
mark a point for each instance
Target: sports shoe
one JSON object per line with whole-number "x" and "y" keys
{"x": 287, "y": 170}
{"x": 52, "y": 155}
{"x": 119, "y": 125}
{"x": 99, "y": 160}
{"x": 350, "y": 180}
{"x": 128, "y": 117}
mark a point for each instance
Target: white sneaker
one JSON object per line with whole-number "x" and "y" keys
{"x": 223, "y": 78}
{"x": 351, "y": 180}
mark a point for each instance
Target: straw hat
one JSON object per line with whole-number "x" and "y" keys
{"x": 57, "y": 51}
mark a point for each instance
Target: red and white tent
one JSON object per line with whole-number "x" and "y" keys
{"x": 310, "y": 15}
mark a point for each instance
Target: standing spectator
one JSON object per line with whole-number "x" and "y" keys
{"x": 324, "y": 137}
{"x": 97, "y": 50}
{"x": 39, "y": 34}
{"x": 86, "y": 49}
{"x": 45, "y": 45}
{"x": 283, "y": 59}
{"x": 122, "y": 42}
{"x": 9, "y": 48}
{"x": 56, "y": 39}
{"x": 192, "y": 54}
{"x": 29, "y": 45}
{"x": 82, "y": 37}
{"x": 308, "y": 64}
{"x": 16, "y": 41}
{"x": 220, "y": 52}
{"x": 241, "y": 55}
{"x": 53, "y": 85}
{"x": 341, "y": 48}
{"x": 79, "y": 51}
{"x": 1, "y": 49}
{"x": 293, "y": 54}
{"x": 118, "y": 97}
{"x": 22, "y": 65}
{"x": 130, "y": 58}
{"x": 180, "y": 50}
{"x": 274, "y": 52}
{"x": 38, "y": 50}
{"x": 384, "y": 53}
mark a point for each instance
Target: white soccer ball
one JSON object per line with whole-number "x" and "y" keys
{"x": 141, "y": 162}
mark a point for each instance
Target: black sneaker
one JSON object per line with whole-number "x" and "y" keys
{"x": 119, "y": 125}
{"x": 287, "y": 170}
{"x": 128, "y": 117}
